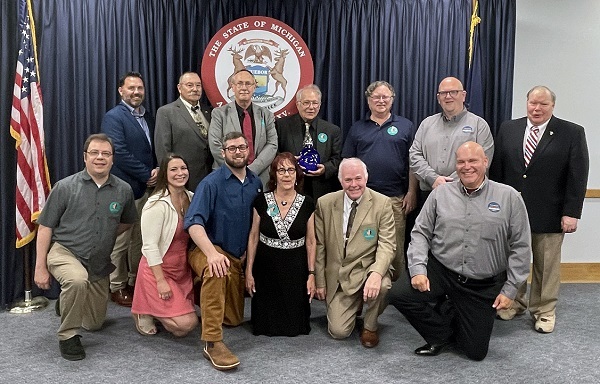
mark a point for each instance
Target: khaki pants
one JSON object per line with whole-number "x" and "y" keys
{"x": 127, "y": 252}
{"x": 82, "y": 303}
{"x": 221, "y": 298}
{"x": 342, "y": 308}
{"x": 545, "y": 275}
{"x": 400, "y": 223}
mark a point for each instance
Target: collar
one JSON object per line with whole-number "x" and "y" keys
{"x": 457, "y": 117}
{"x": 542, "y": 127}
{"x": 465, "y": 191}
{"x": 133, "y": 111}
{"x": 188, "y": 105}
{"x": 348, "y": 201}
{"x": 240, "y": 110}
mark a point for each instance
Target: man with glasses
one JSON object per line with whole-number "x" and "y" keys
{"x": 77, "y": 230}
{"x": 382, "y": 140}
{"x": 255, "y": 122}
{"x": 440, "y": 135}
{"x": 182, "y": 128}
{"x": 218, "y": 221}
{"x": 306, "y": 126}
{"x": 131, "y": 129}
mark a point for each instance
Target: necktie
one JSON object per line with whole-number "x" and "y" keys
{"x": 351, "y": 219}
{"x": 307, "y": 137}
{"x": 198, "y": 121}
{"x": 531, "y": 143}
{"x": 247, "y": 131}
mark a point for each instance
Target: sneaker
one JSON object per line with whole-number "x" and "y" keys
{"x": 220, "y": 356}
{"x": 508, "y": 314}
{"x": 71, "y": 349}
{"x": 545, "y": 324}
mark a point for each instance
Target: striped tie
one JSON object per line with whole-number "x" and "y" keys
{"x": 532, "y": 142}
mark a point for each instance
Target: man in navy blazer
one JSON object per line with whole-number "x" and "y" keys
{"x": 131, "y": 129}
{"x": 546, "y": 159}
{"x": 326, "y": 138}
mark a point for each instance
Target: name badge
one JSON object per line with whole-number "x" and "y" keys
{"x": 468, "y": 129}
{"x": 392, "y": 131}
{"x": 322, "y": 137}
{"x": 494, "y": 207}
{"x": 369, "y": 233}
{"x": 115, "y": 207}
{"x": 272, "y": 210}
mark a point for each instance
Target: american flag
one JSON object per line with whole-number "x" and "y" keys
{"x": 27, "y": 128}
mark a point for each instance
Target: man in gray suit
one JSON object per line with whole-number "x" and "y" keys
{"x": 182, "y": 128}
{"x": 255, "y": 122}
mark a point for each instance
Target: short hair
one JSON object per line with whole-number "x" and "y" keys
{"x": 98, "y": 137}
{"x": 188, "y": 73}
{"x": 352, "y": 160}
{"x": 162, "y": 183}
{"x": 130, "y": 74}
{"x": 543, "y": 88}
{"x": 232, "y": 136}
{"x": 283, "y": 156}
{"x": 242, "y": 70}
{"x": 376, "y": 84}
{"x": 310, "y": 87}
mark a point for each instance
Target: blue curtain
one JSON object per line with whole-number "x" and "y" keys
{"x": 84, "y": 46}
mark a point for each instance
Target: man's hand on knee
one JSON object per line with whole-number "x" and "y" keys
{"x": 372, "y": 286}
{"x": 218, "y": 264}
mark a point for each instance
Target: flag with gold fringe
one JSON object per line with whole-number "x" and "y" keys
{"x": 27, "y": 128}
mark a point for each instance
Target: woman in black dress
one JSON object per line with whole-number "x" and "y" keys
{"x": 281, "y": 253}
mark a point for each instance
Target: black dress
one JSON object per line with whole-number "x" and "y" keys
{"x": 280, "y": 304}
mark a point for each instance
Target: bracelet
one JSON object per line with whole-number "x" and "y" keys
{"x": 311, "y": 272}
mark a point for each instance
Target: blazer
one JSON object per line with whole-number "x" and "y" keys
{"x": 134, "y": 157}
{"x": 225, "y": 119}
{"x": 177, "y": 132}
{"x": 555, "y": 182}
{"x": 371, "y": 244}
{"x": 290, "y": 138}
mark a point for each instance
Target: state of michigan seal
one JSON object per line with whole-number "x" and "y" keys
{"x": 271, "y": 50}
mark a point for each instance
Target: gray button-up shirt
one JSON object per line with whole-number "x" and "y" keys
{"x": 477, "y": 235}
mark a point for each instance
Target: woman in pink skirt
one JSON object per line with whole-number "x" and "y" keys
{"x": 163, "y": 288}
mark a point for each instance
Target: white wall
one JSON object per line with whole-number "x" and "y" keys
{"x": 558, "y": 45}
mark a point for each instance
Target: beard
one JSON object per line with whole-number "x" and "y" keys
{"x": 237, "y": 162}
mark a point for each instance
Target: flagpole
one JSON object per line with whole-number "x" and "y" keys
{"x": 29, "y": 304}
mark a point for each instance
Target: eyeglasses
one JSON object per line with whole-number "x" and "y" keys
{"x": 193, "y": 85}
{"x": 452, "y": 93}
{"x": 382, "y": 98}
{"x": 282, "y": 171}
{"x": 95, "y": 153}
{"x": 307, "y": 103}
{"x": 247, "y": 84}
{"x": 233, "y": 148}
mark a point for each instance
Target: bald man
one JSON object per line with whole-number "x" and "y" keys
{"x": 469, "y": 253}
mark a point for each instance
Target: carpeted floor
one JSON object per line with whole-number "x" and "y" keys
{"x": 118, "y": 354}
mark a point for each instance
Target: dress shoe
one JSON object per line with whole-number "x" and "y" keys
{"x": 545, "y": 324}
{"x": 121, "y": 297}
{"x": 369, "y": 339}
{"x": 220, "y": 356}
{"x": 431, "y": 349}
{"x": 508, "y": 314}
{"x": 71, "y": 349}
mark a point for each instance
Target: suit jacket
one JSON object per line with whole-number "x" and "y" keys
{"x": 225, "y": 119}
{"x": 371, "y": 244}
{"x": 134, "y": 157}
{"x": 554, "y": 183}
{"x": 290, "y": 138}
{"x": 177, "y": 132}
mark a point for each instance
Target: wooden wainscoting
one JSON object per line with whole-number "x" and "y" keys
{"x": 580, "y": 272}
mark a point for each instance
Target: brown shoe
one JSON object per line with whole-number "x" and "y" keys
{"x": 220, "y": 356}
{"x": 121, "y": 297}
{"x": 369, "y": 339}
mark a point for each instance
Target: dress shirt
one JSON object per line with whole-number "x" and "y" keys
{"x": 347, "y": 208}
{"x": 542, "y": 129}
{"x": 222, "y": 204}
{"x": 139, "y": 116}
{"x": 477, "y": 235}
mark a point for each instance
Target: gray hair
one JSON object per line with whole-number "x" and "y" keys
{"x": 543, "y": 88}
{"x": 310, "y": 87}
{"x": 376, "y": 84}
{"x": 352, "y": 160}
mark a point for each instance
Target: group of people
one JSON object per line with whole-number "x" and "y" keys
{"x": 259, "y": 223}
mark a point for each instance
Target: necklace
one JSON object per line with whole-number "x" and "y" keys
{"x": 284, "y": 203}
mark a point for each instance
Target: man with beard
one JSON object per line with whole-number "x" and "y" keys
{"x": 219, "y": 220}
{"x": 131, "y": 129}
